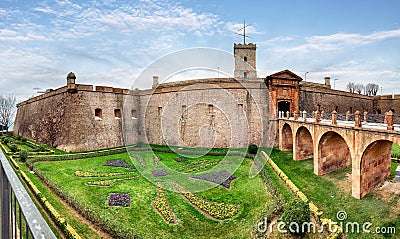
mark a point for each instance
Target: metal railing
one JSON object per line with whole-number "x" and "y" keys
{"x": 19, "y": 216}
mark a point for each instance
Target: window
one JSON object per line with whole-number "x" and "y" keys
{"x": 336, "y": 108}
{"x": 351, "y": 110}
{"x": 98, "y": 114}
{"x": 245, "y": 58}
{"x": 117, "y": 113}
{"x": 184, "y": 112}
{"x": 159, "y": 111}
{"x": 210, "y": 109}
{"x": 240, "y": 108}
{"x": 133, "y": 114}
{"x": 245, "y": 75}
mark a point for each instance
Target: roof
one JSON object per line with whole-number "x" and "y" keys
{"x": 285, "y": 74}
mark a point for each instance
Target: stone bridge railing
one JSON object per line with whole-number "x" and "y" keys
{"x": 19, "y": 216}
{"x": 379, "y": 121}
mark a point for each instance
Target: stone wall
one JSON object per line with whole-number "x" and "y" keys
{"x": 44, "y": 118}
{"x": 329, "y": 100}
{"x": 388, "y": 102}
{"x": 206, "y": 113}
{"x": 66, "y": 120}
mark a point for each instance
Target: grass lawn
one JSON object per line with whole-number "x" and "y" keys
{"x": 83, "y": 229}
{"x": 141, "y": 218}
{"x": 396, "y": 150}
{"x": 332, "y": 193}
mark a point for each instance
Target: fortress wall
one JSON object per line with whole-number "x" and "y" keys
{"x": 204, "y": 114}
{"x": 44, "y": 118}
{"x": 387, "y": 102}
{"x": 67, "y": 121}
{"x": 329, "y": 99}
{"x": 88, "y": 132}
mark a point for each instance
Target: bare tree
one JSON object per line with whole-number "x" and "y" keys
{"x": 350, "y": 87}
{"x": 371, "y": 89}
{"x": 358, "y": 88}
{"x": 7, "y": 110}
{"x": 374, "y": 89}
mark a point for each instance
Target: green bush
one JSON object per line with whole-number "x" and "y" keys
{"x": 42, "y": 147}
{"x": 139, "y": 144}
{"x": 296, "y": 211}
{"x": 13, "y": 148}
{"x": 18, "y": 137}
{"x": 252, "y": 149}
{"x": 23, "y": 154}
{"x": 5, "y": 140}
{"x": 23, "y": 140}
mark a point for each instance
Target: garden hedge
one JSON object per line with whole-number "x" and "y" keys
{"x": 336, "y": 230}
{"x": 60, "y": 221}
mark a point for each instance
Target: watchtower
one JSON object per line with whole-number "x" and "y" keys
{"x": 245, "y": 61}
{"x": 71, "y": 87}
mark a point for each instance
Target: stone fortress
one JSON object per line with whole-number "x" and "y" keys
{"x": 80, "y": 117}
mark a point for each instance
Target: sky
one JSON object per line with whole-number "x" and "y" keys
{"x": 110, "y": 42}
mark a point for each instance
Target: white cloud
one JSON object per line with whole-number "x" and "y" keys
{"x": 341, "y": 40}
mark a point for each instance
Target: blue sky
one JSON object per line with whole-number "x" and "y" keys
{"x": 110, "y": 42}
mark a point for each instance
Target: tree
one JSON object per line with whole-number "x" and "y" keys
{"x": 350, "y": 87}
{"x": 371, "y": 89}
{"x": 358, "y": 88}
{"x": 7, "y": 110}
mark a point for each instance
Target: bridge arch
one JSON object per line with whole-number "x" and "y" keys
{"x": 374, "y": 165}
{"x": 303, "y": 145}
{"x": 333, "y": 153}
{"x": 287, "y": 138}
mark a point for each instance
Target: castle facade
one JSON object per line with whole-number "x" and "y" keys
{"x": 214, "y": 112}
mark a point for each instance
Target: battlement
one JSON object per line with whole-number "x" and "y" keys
{"x": 245, "y": 46}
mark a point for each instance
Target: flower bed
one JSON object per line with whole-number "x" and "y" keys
{"x": 117, "y": 163}
{"x": 140, "y": 160}
{"x": 219, "y": 211}
{"x": 160, "y": 203}
{"x": 159, "y": 173}
{"x": 191, "y": 164}
{"x": 84, "y": 174}
{"x": 119, "y": 199}
{"x": 223, "y": 178}
{"x": 204, "y": 166}
{"x": 60, "y": 221}
{"x": 156, "y": 160}
{"x": 180, "y": 159}
{"x": 109, "y": 182}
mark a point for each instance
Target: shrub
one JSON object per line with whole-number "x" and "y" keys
{"x": 139, "y": 144}
{"x": 252, "y": 149}
{"x": 5, "y": 140}
{"x": 23, "y": 154}
{"x": 23, "y": 140}
{"x": 296, "y": 211}
{"x": 18, "y": 137}
{"x": 13, "y": 148}
{"x": 42, "y": 147}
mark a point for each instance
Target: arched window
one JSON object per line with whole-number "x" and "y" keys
{"x": 117, "y": 113}
{"x": 245, "y": 58}
{"x": 98, "y": 114}
{"x": 210, "y": 109}
{"x": 133, "y": 114}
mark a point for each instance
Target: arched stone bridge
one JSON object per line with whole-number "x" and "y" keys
{"x": 335, "y": 145}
